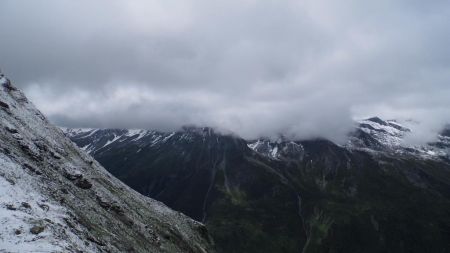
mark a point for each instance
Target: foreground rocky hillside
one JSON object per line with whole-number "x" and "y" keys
{"x": 56, "y": 198}
{"x": 373, "y": 194}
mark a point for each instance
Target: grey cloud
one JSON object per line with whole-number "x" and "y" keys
{"x": 303, "y": 68}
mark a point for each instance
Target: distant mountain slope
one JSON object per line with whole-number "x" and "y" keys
{"x": 371, "y": 195}
{"x": 56, "y": 198}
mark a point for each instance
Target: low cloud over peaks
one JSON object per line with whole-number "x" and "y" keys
{"x": 302, "y": 68}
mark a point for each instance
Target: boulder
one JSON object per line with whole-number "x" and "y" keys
{"x": 83, "y": 183}
{"x": 37, "y": 229}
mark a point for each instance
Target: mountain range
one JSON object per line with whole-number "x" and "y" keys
{"x": 375, "y": 193}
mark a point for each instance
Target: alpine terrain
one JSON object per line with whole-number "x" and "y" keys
{"x": 373, "y": 194}
{"x": 55, "y": 198}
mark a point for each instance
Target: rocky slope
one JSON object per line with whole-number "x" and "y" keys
{"x": 373, "y": 194}
{"x": 54, "y": 197}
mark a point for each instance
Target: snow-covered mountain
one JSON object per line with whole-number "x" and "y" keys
{"x": 372, "y": 135}
{"x": 390, "y": 136}
{"x": 54, "y": 197}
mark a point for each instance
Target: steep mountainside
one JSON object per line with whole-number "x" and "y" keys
{"x": 372, "y": 195}
{"x": 56, "y": 198}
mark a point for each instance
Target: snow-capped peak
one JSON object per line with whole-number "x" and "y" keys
{"x": 375, "y": 134}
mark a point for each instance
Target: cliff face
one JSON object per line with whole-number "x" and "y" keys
{"x": 54, "y": 197}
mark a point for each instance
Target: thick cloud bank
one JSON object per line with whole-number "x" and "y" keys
{"x": 302, "y": 68}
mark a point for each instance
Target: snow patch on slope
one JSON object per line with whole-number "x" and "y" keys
{"x": 136, "y": 132}
{"x": 111, "y": 141}
{"x": 79, "y": 131}
{"x": 18, "y": 190}
{"x": 279, "y": 149}
{"x": 2, "y": 80}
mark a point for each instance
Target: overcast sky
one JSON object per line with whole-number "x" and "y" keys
{"x": 303, "y": 68}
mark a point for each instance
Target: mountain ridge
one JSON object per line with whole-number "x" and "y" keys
{"x": 388, "y": 135}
